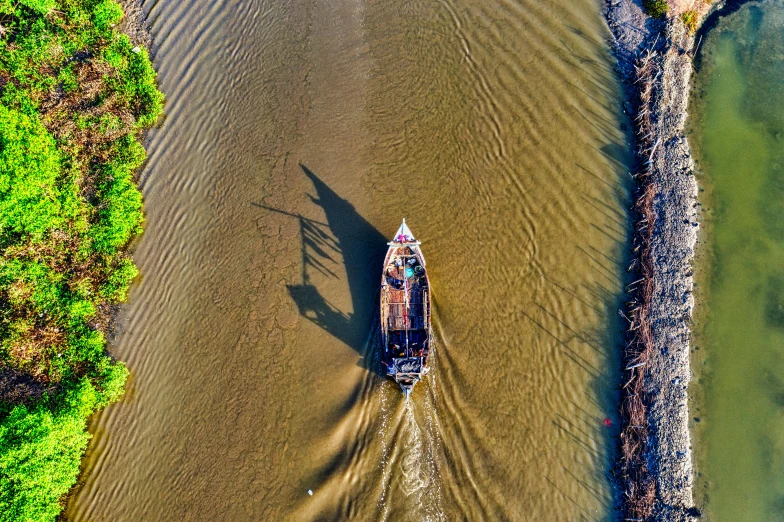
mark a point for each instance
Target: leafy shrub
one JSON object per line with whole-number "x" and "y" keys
{"x": 689, "y": 19}
{"x": 113, "y": 377}
{"x": 106, "y": 14}
{"x": 41, "y": 6}
{"x": 29, "y": 167}
{"x": 68, "y": 79}
{"x": 136, "y": 80}
{"x": 6, "y": 7}
{"x": 76, "y": 95}
{"x": 40, "y": 452}
{"x": 116, "y": 287}
{"x": 656, "y": 8}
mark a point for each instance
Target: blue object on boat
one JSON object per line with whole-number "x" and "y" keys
{"x": 409, "y": 272}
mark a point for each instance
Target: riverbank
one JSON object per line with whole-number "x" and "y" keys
{"x": 655, "y": 60}
{"x": 76, "y": 95}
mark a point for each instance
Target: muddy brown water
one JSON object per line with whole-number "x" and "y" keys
{"x": 297, "y": 136}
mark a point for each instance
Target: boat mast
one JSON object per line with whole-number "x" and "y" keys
{"x": 405, "y": 303}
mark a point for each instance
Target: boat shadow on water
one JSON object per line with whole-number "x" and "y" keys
{"x": 348, "y": 237}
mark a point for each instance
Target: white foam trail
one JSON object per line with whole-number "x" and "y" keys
{"x": 414, "y": 470}
{"x": 409, "y": 461}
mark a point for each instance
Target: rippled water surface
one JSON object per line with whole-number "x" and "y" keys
{"x": 740, "y": 134}
{"x": 297, "y": 136}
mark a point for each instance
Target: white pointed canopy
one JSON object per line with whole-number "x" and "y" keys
{"x": 404, "y": 233}
{"x": 404, "y": 237}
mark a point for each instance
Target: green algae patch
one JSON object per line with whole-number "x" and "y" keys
{"x": 75, "y": 96}
{"x": 738, "y": 127}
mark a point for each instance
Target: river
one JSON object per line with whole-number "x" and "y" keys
{"x": 739, "y": 133}
{"x": 297, "y": 135}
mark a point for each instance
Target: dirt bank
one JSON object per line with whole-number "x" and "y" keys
{"x": 655, "y": 471}
{"x": 134, "y": 23}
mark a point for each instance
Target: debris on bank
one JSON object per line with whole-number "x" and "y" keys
{"x": 655, "y": 59}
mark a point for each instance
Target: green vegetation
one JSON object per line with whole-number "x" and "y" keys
{"x": 656, "y": 8}
{"x": 75, "y": 95}
{"x": 689, "y": 19}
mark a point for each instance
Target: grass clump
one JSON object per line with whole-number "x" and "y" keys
{"x": 75, "y": 96}
{"x": 656, "y": 8}
{"x": 689, "y": 19}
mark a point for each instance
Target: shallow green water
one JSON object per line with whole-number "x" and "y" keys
{"x": 739, "y": 120}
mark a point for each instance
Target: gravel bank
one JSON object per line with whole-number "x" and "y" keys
{"x": 655, "y": 59}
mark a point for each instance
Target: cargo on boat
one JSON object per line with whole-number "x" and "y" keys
{"x": 405, "y": 311}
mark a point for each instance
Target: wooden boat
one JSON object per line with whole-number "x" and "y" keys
{"x": 405, "y": 311}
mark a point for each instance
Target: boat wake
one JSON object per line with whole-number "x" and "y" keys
{"x": 386, "y": 461}
{"x": 410, "y": 464}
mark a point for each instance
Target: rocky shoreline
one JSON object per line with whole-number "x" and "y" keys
{"x": 655, "y": 470}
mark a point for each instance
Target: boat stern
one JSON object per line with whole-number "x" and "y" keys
{"x": 407, "y": 371}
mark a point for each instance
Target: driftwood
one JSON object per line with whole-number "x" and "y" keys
{"x": 636, "y": 481}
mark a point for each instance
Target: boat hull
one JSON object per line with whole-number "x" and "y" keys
{"x": 405, "y": 311}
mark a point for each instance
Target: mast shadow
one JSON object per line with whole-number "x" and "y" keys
{"x": 349, "y": 238}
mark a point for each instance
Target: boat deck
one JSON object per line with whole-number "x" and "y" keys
{"x": 396, "y": 306}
